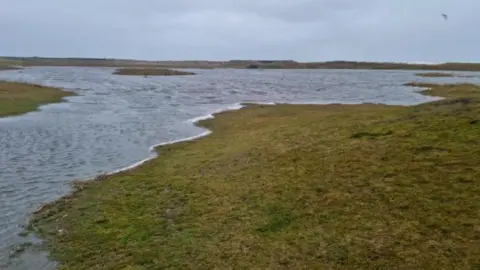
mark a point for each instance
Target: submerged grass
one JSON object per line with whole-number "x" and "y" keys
{"x": 291, "y": 187}
{"x": 151, "y": 72}
{"x": 19, "y": 98}
{"x": 435, "y": 74}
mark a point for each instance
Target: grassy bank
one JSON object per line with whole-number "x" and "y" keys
{"x": 8, "y": 68}
{"x": 291, "y": 187}
{"x": 151, "y": 72}
{"x": 7, "y": 64}
{"x": 19, "y": 98}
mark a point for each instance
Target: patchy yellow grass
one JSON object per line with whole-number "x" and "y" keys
{"x": 291, "y": 187}
{"x": 19, "y": 98}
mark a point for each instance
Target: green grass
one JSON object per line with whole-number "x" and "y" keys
{"x": 291, "y": 187}
{"x": 151, "y": 72}
{"x": 20, "y": 98}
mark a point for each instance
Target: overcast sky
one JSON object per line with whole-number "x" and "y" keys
{"x": 303, "y": 30}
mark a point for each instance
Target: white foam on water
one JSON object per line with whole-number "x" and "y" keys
{"x": 232, "y": 107}
{"x": 192, "y": 121}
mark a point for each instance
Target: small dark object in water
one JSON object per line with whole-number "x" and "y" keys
{"x": 473, "y": 122}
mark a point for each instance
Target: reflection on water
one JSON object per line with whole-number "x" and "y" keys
{"x": 115, "y": 119}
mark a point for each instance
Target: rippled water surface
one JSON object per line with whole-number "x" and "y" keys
{"x": 115, "y": 119}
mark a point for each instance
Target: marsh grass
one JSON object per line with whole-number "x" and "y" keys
{"x": 441, "y": 74}
{"x": 19, "y": 98}
{"x": 291, "y": 187}
{"x": 151, "y": 72}
{"x": 435, "y": 74}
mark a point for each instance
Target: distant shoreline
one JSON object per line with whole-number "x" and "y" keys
{"x": 248, "y": 64}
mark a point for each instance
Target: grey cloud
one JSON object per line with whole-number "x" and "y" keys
{"x": 305, "y": 30}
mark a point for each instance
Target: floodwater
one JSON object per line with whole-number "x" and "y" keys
{"x": 114, "y": 121}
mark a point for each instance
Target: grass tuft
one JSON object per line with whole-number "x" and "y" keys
{"x": 278, "y": 218}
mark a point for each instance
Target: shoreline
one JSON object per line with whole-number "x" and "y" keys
{"x": 76, "y": 185}
{"x": 197, "y": 121}
{"x": 233, "y": 107}
{"x": 193, "y": 121}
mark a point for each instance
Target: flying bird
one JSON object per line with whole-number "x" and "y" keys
{"x": 445, "y": 16}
